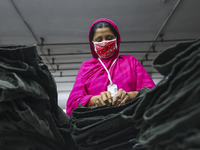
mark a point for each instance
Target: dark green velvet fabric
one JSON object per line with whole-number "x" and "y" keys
{"x": 30, "y": 118}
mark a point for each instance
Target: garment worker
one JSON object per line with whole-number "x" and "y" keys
{"x": 107, "y": 77}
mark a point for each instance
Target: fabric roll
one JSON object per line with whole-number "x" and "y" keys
{"x": 26, "y": 63}
{"x": 176, "y": 111}
{"x": 30, "y": 117}
{"x": 103, "y": 127}
{"x": 165, "y": 61}
{"x": 171, "y": 107}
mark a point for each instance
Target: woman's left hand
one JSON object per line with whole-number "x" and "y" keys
{"x": 123, "y": 97}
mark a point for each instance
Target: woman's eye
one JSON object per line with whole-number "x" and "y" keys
{"x": 109, "y": 38}
{"x": 98, "y": 40}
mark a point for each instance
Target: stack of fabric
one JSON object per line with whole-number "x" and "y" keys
{"x": 103, "y": 127}
{"x": 30, "y": 118}
{"x": 163, "y": 118}
{"x": 170, "y": 111}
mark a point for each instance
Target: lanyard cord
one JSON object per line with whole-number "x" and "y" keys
{"x": 109, "y": 77}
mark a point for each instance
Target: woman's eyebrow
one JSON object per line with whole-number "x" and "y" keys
{"x": 110, "y": 35}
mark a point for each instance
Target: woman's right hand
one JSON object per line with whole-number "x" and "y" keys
{"x": 102, "y": 99}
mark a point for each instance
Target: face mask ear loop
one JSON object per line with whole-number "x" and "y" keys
{"x": 94, "y": 47}
{"x": 116, "y": 43}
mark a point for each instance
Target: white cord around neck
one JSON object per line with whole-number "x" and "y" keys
{"x": 109, "y": 77}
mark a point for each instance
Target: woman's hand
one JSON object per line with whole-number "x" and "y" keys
{"x": 101, "y": 99}
{"x": 123, "y": 97}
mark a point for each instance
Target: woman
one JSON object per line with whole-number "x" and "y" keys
{"x": 107, "y": 77}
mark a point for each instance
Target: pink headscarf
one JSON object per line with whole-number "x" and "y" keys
{"x": 92, "y": 78}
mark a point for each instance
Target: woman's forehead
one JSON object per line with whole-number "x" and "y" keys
{"x": 104, "y": 30}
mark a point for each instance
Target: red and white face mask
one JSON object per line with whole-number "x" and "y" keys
{"x": 105, "y": 49}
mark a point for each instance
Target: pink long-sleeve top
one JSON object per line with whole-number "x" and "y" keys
{"x": 92, "y": 78}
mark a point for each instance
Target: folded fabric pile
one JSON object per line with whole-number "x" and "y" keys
{"x": 30, "y": 118}
{"x": 171, "y": 109}
{"x": 103, "y": 127}
{"x": 163, "y": 118}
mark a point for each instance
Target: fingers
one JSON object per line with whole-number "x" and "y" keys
{"x": 103, "y": 99}
{"x": 118, "y": 98}
{"x": 106, "y": 97}
{"x": 115, "y": 99}
{"x": 125, "y": 100}
{"x": 100, "y": 101}
{"x": 97, "y": 101}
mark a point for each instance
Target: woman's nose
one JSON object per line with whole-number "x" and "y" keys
{"x": 103, "y": 40}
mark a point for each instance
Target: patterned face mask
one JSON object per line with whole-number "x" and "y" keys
{"x": 105, "y": 49}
